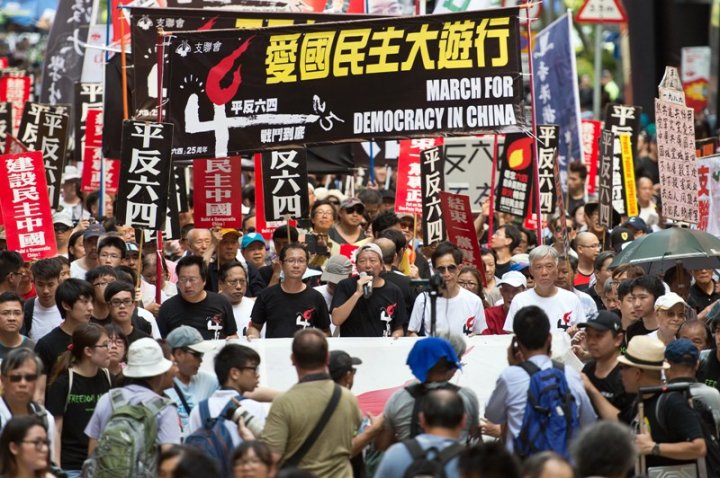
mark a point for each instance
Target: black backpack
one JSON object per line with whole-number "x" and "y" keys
{"x": 418, "y": 392}
{"x": 429, "y": 463}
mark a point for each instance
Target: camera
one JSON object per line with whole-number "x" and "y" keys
{"x": 236, "y": 411}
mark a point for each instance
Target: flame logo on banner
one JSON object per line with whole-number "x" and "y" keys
{"x": 209, "y": 25}
{"x": 519, "y": 154}
{"x": 218, "y": 74}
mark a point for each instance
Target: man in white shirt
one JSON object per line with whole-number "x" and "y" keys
{"x": 562, "y": 307}
{"x": 42, "y": 310}
{"x": 233, "y": 284}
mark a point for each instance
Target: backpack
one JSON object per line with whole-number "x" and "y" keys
{"x": 429, "y": 463}
{"x": 551, "y": 415}
{"x": 127, "y": 445}
{"x": 418, "y": 392}
{"x": 213, "y": 437}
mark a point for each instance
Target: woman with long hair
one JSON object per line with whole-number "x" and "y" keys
{"x": 79, "y": 379}
{"x": 117, "y": 351}
{"x": 76, "y": 247}
{"x": 24, "y": 448}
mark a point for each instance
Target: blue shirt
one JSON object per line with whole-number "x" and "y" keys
{"x": 397, "y": 458}
{"x": 201, "y": 386}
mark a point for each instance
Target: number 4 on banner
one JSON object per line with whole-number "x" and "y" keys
{"x": 601, "y": 11}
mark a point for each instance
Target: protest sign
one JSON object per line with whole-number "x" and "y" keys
{"x": 30, "y": 123}
{"x": 590, "y": 138}
{"x": 547, "y": 149}
{"x": 53, "y": 135}
{"x": 87, "y": 96}
{"x": 515, "y": 176}
{"x": 93, "y": 157}
{"x": 676, "y": 161}
{"x": 25, "y": 206}
{"x": 621, "y": 119}
{"x": 606, "y": 177}
{"x": 285, "y": 184}
{"x": 15, "y": 89}
{"x": 468, "y": 167}
{"x": 145, "y": 174}
{"x": 432, "y": 171}
{"x": 557, "y": 100}
{"x": 408, "y": 190}
{"x": 461, "y": 228}
{"x": 183, "y": 204}
{"x": 706, "y": 147}
{"x": 695, "y": 76}
{"x": 708, "y": 171}
{"x": 216, "y": 195}
{"x": 266, "y": 228}
{"x": 6, "y": 122}
{"x": 628, "y": 167}
{"x": 408, "y": 77}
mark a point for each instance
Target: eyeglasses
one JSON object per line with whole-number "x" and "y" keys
{"x": 236, "y": 282}
{"x": 39, "y": 443}
{"x": 296, "y": 261}
{"x": 106, "y": 345}
{"x": 189, "y": 280}
{"x": 406, "y": 225}
{"x": 358, "y": 209}
{"x": 451, "y": 269}
{"x": 194, "y": 353}
{"x": 101, "y": 284}
{"x": 121, "y": 302}
{"x": 254, "y": 369}
{"x": 105, "y": 255}
{"x": 323, "y": 213}
{"x": 28, "y": 377}
{"x": 467, "y": 284}
{"x": 14, "y": 313}
{"x": 248, "y": 461}
{"x": 117, "y": 343}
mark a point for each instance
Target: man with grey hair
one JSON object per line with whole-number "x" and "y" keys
{"x": 562, "y": 307}
{"x": 618, "y": 450}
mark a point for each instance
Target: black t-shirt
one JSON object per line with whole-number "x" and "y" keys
{"x": 403, "y": 282}
{"x": 50, "y": 347}
{"x": 709, "y": 370}
{"x": 283, "y": 314}
{"x": 76, "y": 410}
{"x": 212, "y": 317}
{"x": 378, "y": 316}
{"x": 636, "y": 328}
{"x": 501, "y": 269}
{"x": 610, "y": 387}
{"x": 645, "y": 166}
{"x": 598, "y": 301}
{"x": 137, "y": 322}
{"x": 699, "y": 300}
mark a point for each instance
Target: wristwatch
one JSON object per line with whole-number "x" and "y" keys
{"x": 655, "y": 450}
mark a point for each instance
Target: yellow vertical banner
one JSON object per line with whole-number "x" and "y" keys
{"x": 631, "y": 204}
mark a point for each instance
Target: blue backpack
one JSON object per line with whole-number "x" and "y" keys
{"x": 551, "y": 414}
{"x": 213, "y": 438}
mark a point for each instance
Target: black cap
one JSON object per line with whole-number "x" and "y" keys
{"x": 621, "y": 235}
{"x": 603, "y": 320}
{"x": 341, "y": 363}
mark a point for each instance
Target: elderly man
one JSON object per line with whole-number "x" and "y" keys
{"x": 510, "y": 285}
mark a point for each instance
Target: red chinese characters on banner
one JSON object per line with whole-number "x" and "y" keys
{"x": 218, "y": 202}
{"x": 408, "y": 196}
{"x": 16, "y": 90}
{"x": 26, "y": 206}
{"x": 590, "y": 137}
{"x": 266, "y": 228}
{"x": 461, "y": 229}
{"x": 92, "y": 157}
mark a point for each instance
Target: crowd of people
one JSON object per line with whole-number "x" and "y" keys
{"x": 102, "y": 347}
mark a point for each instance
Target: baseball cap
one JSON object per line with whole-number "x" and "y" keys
{"x": 131, "y": 246}
{"x": 229, "y": 230}
{"x": 94, "y": 230}
{"x": 426, "y": 353}
{"x": 602, "y": 321}
{"x": 62, "y": 218}
{"x": 682, "y": 351}
{"x": 71, "y": 172}
{"x": 341, "y": 363}
{"x": 513, "y": 279}
{"x": 371, "y": 247}
{"x": 620, "y": 236}
{"x": 251, "y": 237}
{"x": 188, "y": 337}
{"x": 637, "y": 223}
{"x": 145, "y": 359}
{"x": 337, "y": 268}
{"x": 669, "y": 300}
{"x": 351, "y": 202}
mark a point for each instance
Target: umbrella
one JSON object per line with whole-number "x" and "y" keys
{"x": 662, "y": 250}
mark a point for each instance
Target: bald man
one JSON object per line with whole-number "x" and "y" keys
{"x": 199, "y": 243}
{"x": 391, "y": 261}
{"x": 588, "y": 248}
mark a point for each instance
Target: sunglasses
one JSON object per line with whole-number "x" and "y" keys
{"x": 195, "y": 353}
{"x": 451, "y": 269}
{"x": 354, "y": 209}
{"x": 30, "y": 377}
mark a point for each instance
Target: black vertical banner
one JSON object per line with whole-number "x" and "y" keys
{"x": 87, "y": 96}
{"x": 181, "y": 190}
{"x": 547, "y": 154}
{"x": 145, "y": 174}
{"x": 30, "y": 122}
{"x": 621, "y": 119}
{"x": 605, "y": 183}
{"x": 5, "y": 121}
{"x": 432, "y": 182}
{"x": 52, "y": 142}
{"x": 515, "y": 176}
{"x": 285, "y": 182}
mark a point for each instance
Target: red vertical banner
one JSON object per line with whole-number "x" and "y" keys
{"x": 92, "y": 157}
{"x": 26, "y": 206}
{"x": 461, "y": 228}
{"x": 216, "y": 195}
{"x": 591, "y": 137}
{"x": 408, "y": 192}
{"x": 266, "y": 228}
{"x": 16, "y": 90}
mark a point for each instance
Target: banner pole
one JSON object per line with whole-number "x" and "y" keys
{"x": 123, "y": 65}
{"x": 158, "y": 234}
{"x": 536, "y": 182}
{"x": 491, "y": 209}
{"x": 138, "y": 281}
{"x": 412, "y": 243}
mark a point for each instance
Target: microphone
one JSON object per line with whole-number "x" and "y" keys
{"x": 367, "y": 288}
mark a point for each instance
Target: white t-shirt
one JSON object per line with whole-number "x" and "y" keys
{"x": 217, "y": 402}
{"x": 44, "y": 320}
{"x": 563, "y": 309}
{"x": 76, "y": 270}
{"x": 242, "y": 313}
{"x": 463, "y": 314}
{"x": 588, "y": 303}
{"x": 6, "y": 415}
{"x": 323, "y": 289}
{"x": 147, "y": 315}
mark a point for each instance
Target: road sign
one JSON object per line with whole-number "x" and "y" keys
{"x": 601, "y": 11}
